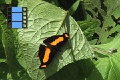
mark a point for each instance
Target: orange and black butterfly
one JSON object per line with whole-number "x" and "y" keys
{"x": 52, "y": 45}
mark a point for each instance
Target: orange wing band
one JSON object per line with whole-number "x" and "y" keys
{"x": 43, "y": 66}
{"x": 58, "y": 40}
{"x": 47, "y": 54}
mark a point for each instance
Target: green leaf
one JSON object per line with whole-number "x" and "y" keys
{"x": 8, "y": 43}
{"x": 79, "y": 70}
{"x": 104, "y": 10}
{"x": 2, "y": 18}
{"x": 92, "y": 7}
{"x": 108, "y": 65}
{"x": 108, "y": 21}
{"x": 44, "y": 21}
{"x": 54, "y": 2}
{"x": 5, "y": 1}
{"x": 2, "y": 52}
{"x": 16, "y": 71}
{"x": 4, "y": 69}
{"x": 9, "y": 62}
{"x": 74, "y": 7}
{"x": 108, "y": 46}
{"x": 89, "y": 28}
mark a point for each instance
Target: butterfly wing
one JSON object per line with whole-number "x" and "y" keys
{"x": 46, "y": 55}
{"x": 56, "y": 40}
{"x": 50, "y": 39}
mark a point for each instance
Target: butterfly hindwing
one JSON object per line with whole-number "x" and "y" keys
{"x": 41, "y": 52}
{"x": 46, "y": 55}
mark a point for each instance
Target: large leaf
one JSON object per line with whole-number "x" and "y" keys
{"x": 89, "y": 28}
{"x": 107, "y": 11}
{"x": 74, "y": 7}
{"x": 5, "y": 1}
{"x": 15, "y": 70}
{"x": 108, "y": 59}
{"x": 45, "y": 20}
{"x": 112, "y": 10}
{"x": 9, "y": 66}
{"x": 80, "y": 70}
{"x": 3, "y": 65}
{"x": 2, "y": 52}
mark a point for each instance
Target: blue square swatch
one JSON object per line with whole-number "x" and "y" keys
{"x": 16, "y": 16}
{"x": 16, "y": 9}
{"x": 16, "y": 24}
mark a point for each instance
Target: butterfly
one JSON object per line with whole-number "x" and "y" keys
{"x": 52, "y": 45}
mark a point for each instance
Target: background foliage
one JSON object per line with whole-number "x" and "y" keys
{"x": 92, "y": 52}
